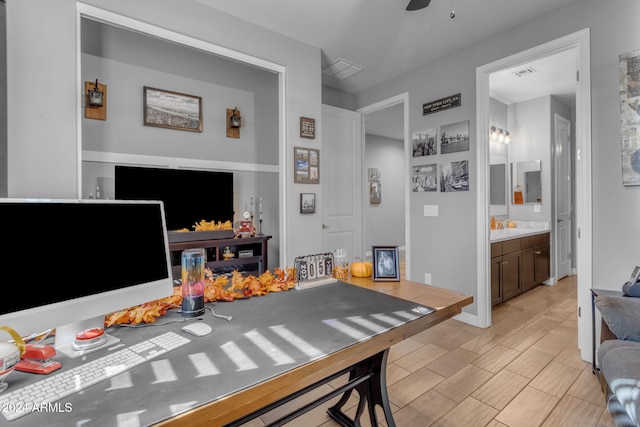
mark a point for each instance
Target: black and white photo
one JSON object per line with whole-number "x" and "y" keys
{"x": 454, "y": 137}
{"x": 307, "y": 203}
{"x": 425, "y": 178}
{"x": 386, "y": 266}
{"x": 172, "y": 110}
{"x": 454, "y": 176}
{"x": 424, "y": 143}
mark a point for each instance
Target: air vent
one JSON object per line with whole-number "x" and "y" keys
{"x": 341, "y": 69}
{"x": 525, "y": 72}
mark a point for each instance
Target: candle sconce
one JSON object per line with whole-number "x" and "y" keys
{"x": 96, "y": 100}
{"x": 234, "y": 122}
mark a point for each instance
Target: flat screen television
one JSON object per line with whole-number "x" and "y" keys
{"x": 71, "y": 262}
{"x": 189, "y": 196}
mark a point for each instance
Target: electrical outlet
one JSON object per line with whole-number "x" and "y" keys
{"x": 427, "y": 278}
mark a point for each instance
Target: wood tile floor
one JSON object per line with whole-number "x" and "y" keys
{"x": 525, "y": 370}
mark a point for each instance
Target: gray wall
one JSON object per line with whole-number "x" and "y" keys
{"x": 384, "y": 223}
{"x": 3, "y": 101}
{"x": 447, "y": 245}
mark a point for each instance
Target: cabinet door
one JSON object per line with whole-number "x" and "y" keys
{"x": 528, "y": 269}
{"x": 543, "y": 270}
{"x": 496, "y": 280}
{"x": 510, "y": 276}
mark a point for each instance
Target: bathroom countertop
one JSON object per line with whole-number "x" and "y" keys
{"x": 512, "y": 233}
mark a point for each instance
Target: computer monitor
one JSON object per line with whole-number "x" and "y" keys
{"x": 68, "y": 263}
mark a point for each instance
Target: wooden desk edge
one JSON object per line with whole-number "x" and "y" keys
{"x": 447, "y": 304}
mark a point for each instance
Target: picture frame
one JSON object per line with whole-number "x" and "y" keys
{"x": 386, "y": 264}
{"x": 375, "y": 192}
{"x": 307, "y": 127}
{"x": 307, "y": 203}
{"x": 454, "y": 137}
{"x": 306, "y": 168}
{"x": 172, "y": 110}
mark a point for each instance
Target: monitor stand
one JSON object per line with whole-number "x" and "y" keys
{"x": 65, "y": 336}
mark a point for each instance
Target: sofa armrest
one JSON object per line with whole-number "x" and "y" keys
{"x": 621, "y": 314}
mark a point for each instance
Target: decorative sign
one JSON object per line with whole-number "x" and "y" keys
{"x": 307, "y": 128}
{"x": 441, "y": 104}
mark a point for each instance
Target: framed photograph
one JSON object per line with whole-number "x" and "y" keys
{"x": 172, "y": 110}
{"x": 424, "y": 143}
{"x": 454, "y": 137}
{"x": 425, "y": 178}
{"x": 306, "y": 165}
{"x": 375, "y": 192}
{"x": 307, "y": 128}
{"x": 630, "y": 117}
{"x": 374, "y": 174}
{"x": 386, "y": 266}
{"x": 454, "y": 176}
{"x": 307, "y": 203}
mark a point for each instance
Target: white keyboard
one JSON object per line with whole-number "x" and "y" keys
{"x": 19, "y": 402}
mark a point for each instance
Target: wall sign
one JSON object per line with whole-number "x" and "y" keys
{"x": 441, "y": 104}
{"x": 307, "y": 128}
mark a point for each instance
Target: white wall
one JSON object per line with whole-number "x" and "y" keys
{"x": 448, "y": 243}
{"x": 384, "y": 223}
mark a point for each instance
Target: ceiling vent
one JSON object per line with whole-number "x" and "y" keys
{"x": 525, "y": 72}
{"x": 341, "y": 69}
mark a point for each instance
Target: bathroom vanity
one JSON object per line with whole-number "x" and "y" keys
{"x": 520, "y": 260}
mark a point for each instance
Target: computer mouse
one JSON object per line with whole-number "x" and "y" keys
{"x": 198, "y": 329}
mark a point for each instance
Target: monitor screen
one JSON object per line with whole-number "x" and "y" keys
{"x": 189, "y": 196}
{"x": 70, "y": 260}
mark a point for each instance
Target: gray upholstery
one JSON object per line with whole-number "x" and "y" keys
{"x": 619, "y": 359}
{"x": 622, "y": 315}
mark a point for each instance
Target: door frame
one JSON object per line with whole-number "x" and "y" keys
{"x": 389, "y": 102}
{"x": 555, "y": 256}
{"x": 580, "y": 41}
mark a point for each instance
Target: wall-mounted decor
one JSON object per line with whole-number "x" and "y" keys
{"x": 234, "y": 121}
{"x": 95, "y": 100}
{"x": 425, "y": 178}
{"x": 375, "y": 193}
{"x": 454, "y": 137}
{"x": 172, "y": 110}
{"x": 630, "y": 117}
{"x": 307, "y": 203}
{"x": 424, "y": 143}
{"x": 306, "y": 165}
{"x": 386, "y": 265}
{"x": 374, "y": 174}
{"x": 307, "y": 127}
{"x": 454, "y": 176}
{"x": 441, "y": 104}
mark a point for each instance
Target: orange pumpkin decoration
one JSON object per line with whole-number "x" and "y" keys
{"x": 361, "y": 269}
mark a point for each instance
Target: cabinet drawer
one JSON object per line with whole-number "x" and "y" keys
{"x": 509, "y": 246}
{"x": 496, "y": 249}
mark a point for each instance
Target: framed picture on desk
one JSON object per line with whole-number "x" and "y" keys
{"x": 386, "y": 266}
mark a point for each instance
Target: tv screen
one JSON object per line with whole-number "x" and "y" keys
{"x": 189, "y": 196}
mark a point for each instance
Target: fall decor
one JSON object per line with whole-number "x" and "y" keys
{"x": 215, "y": 289}
{"x": 204, "y": 225}
{"x": 361, "y": 269}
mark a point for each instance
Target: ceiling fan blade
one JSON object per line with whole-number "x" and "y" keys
{"x": 418, "y": 4}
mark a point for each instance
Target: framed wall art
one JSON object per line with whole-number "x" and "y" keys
{"x": 306, "y": 165}
{"x": 307, "y": 128}
{"x": 307, "y": 203}
{"x": 172, "y": 110}
{"x": 386, "y": 265}
{"x": 375, "y": 192}
{"x": 454, "y": 137}
{"x": 630, "y": 117}
{"x": 424, "y": 178}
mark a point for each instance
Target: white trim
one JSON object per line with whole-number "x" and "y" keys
{"x": 404, "y": 99}
{"x": 579, "y": 40}
{"x": 175, "y": 162}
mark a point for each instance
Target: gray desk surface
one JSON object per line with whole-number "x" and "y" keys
{"x": 268, "y": 335}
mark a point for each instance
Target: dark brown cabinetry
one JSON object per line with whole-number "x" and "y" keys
{"x": 255, "y": 249}
{"x": 518, "y": 265}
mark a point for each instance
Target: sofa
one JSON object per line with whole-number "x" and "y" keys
{"x": 619, "y": 357}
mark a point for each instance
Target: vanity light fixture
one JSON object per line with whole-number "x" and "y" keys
{"x": 500, "y": 135}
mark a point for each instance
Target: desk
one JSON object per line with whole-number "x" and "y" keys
{"x": 212, "y": 380}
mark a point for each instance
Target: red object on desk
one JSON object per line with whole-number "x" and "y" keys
{"x": 37, "y": 359}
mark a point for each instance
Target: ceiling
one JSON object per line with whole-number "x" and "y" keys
{"x": 386, "y": 40}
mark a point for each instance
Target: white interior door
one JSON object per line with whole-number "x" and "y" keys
{"x": 341, "y": 176}
{"x": 563, "y": 235}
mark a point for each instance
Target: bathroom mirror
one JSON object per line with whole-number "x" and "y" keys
{"x": 527, "y": 182}
{"x": 498, "y": 184}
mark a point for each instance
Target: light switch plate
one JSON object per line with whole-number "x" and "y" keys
{"x": 536, "y": 208}
{"x": 430, "y": 210}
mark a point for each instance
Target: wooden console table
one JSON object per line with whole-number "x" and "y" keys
{"x": 255, "y": 264}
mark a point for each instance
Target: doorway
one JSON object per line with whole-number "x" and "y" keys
{"x": 580, "y": 42}
{"x": 385, "y": 122}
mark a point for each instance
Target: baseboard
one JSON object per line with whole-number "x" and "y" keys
{"x": 470, "y": 319}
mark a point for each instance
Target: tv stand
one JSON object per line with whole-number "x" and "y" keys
{"x": 255, "y": 264}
